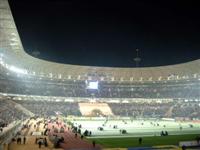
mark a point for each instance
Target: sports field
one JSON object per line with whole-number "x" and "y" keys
{"x": 136, "y": 128}
{"x": 149, "y": 130}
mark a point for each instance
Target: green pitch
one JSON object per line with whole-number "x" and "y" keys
{"x": 146, "y": 141}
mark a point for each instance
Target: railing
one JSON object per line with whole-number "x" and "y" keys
{"x": 9, "y": 131}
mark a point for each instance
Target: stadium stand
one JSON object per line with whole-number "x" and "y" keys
{"x": 45, "y": 109}
{"x": 11, "y": 111}
{"x": 31, "y": 86}
{"x": 172, "y": 109}
{"x": 134, "y": 108}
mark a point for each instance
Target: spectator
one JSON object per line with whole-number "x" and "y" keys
{"x": 93, "y": 143}
{"x": 24, "y": 140}
{"x": 40, "y": 143}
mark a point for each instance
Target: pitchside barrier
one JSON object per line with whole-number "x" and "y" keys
{"x": 115, "y": 149}
{"x": 83, "y": 118}
{"x": 189, "y": 144}
{"x": 170, "y": 147}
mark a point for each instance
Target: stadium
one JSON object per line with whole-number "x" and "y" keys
{"x": 76, "y": 107}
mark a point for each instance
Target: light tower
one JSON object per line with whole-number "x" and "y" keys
{"x": 137, "y": 59}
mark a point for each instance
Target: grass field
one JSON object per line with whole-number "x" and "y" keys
{"x": 147, "y": 141}
{"x": 147, "y": 129}
{"x": 137, "y": 127}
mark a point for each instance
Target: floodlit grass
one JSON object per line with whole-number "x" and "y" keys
{"x": 147, "y": 141}
{"x": 138, "y": 127}
{"x": 149, "y": 130}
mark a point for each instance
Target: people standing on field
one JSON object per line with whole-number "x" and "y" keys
{"x": 24, "y": 140}
{"x": 140, "y": 140}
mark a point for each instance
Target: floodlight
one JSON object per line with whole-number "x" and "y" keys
{"x": 17, "y": 70}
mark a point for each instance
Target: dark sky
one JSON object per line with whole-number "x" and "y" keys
{"x": 106, "y": 33}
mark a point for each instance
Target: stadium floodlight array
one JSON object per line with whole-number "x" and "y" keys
{"x": 11, "y": 67}
{"x": 17, "y": 70}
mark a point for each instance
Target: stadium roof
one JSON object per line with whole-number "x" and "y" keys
{"x": 13, "y": 54}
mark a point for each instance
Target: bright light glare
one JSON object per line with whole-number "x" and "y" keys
{"x": 17, "y": 70}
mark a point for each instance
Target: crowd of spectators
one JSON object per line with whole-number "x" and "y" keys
{"x": 78, "y": 88}
{"x": 136, "y": 109}
{"x": 174, "y": 109}
{"x": 184, "y": 89}
{"x": 10, "y": 112}
{"x": 50, "y": 108}
{"x": 187, "y": 109}
{"x": 144, "y": 110}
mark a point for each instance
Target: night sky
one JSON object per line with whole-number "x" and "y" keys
{"x": 106, "y": 33}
